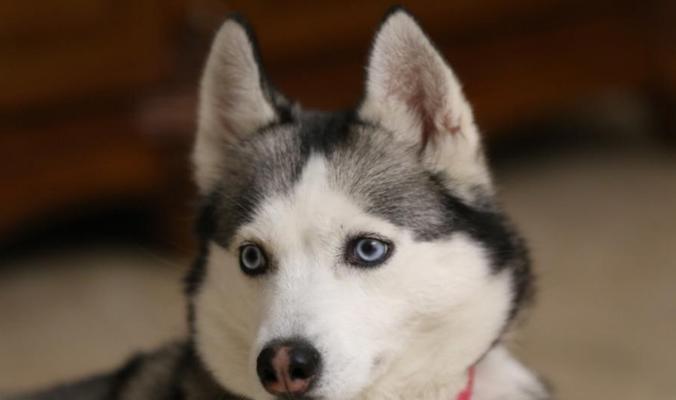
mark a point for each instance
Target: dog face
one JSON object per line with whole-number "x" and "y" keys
{"x": 346, "y": 255}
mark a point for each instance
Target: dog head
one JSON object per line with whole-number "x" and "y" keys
{"x": 346, "y": 255}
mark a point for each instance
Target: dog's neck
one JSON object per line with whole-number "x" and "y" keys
{"x": 458, "y": 386}
{"x": 497, "y": 375}
{"x": 501, "y": 376}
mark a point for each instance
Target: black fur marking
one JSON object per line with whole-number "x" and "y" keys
{"x": 205, "y": 226}
{"x": 193, "y": 280}
{"x": 325, "y": 132}
{"x": 192, "y": 381}
{"x": 506, "y": 248}
{"x": 123, "y": 376}
{"x": 186, "y": 363}
{"x": 484, "y": 225}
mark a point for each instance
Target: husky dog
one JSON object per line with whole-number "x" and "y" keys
{"x": 344, "y": 256}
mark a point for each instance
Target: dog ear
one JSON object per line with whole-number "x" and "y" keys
{"x": 235, "y": 99}
{"x": 412, "y": 92}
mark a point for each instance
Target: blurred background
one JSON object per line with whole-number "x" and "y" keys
{"x": 97, "y": 98}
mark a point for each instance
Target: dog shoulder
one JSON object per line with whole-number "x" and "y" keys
{"x": 157, "y": 375}
{"x": 92, "y": 388}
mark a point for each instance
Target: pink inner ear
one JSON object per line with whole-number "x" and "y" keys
{"x": 416, "y": 101}
{"x": 421, "y": 85}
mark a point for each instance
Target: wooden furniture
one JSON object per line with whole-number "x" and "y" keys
{"x": 70, "y": 71}
{"x": 57, "y": 51}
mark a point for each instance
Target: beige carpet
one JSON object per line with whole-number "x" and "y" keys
{"x": 602, "y": 226}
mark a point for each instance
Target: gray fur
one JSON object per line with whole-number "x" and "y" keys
{"x": 172, "y": 372}
{"x": 365, "y": 161}
{"x": 388, "y": 180}
{"x": 97, "y": 387}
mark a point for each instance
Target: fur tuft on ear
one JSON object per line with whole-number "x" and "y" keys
{"x": 235, "y": 99}
{"x": 412, "y": 92}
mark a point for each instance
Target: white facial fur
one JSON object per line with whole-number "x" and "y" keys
{"x": 405, "y": 329}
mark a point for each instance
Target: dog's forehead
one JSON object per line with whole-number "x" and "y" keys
{"x": 363, "y": 162}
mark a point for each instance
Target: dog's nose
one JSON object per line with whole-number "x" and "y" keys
{"x": 288, "y": 367}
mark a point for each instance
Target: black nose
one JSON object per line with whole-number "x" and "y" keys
{"x": 288, "y": 367}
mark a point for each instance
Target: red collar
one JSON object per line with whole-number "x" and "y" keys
{"x": 466, "y": 393}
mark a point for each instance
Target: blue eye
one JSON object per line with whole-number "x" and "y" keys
{"x": 252, "y": 259}
{"x": 368, "y": 251}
